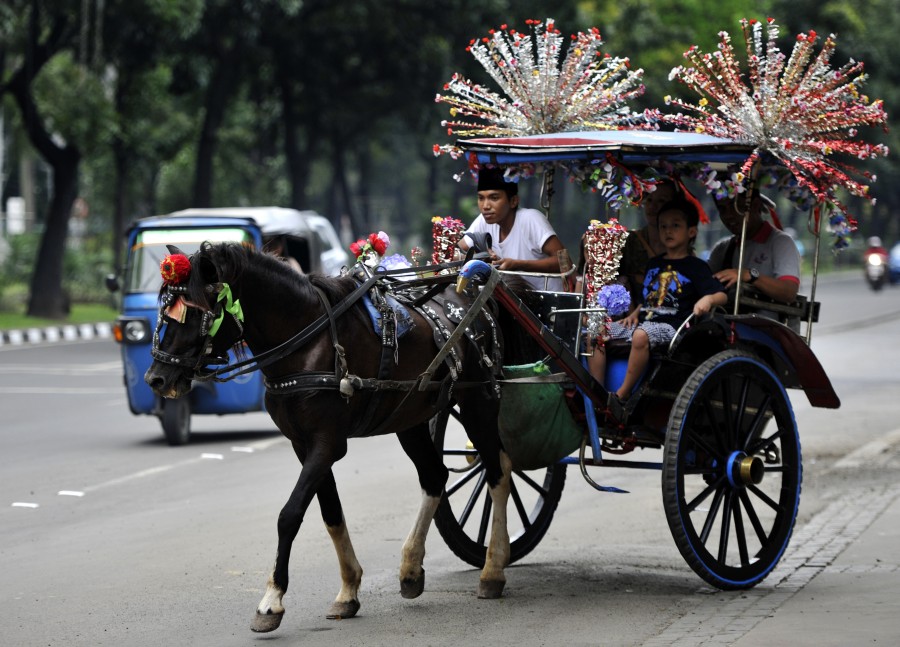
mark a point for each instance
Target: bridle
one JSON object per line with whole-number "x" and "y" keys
{"x": 212, "y": 319}
{"x": 210, "y": 322}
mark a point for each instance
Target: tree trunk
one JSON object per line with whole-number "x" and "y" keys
{"x": 220, "y": 86}
{"x": 298, "y": 158}
{"x": 120, "y": 193}
{"x": 47, "y": 298}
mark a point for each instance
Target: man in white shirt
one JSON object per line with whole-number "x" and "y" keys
{"x": 522, "y": 239}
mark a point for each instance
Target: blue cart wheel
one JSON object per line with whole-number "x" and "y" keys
{"x": 732, "y": 470}
{"x": 463, "y": 517}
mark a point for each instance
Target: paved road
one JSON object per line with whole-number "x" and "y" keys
{"x": 136, "y": 543}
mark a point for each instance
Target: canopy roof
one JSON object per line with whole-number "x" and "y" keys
{"x": 635, "y": 146}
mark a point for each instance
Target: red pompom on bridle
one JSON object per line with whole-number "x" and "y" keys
{"x": 175, "y": 269}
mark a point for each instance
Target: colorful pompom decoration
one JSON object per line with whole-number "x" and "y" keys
{"x": 794, "y": 108}
{"x": 175, "y": 269}
{"x": 370, "y": 249}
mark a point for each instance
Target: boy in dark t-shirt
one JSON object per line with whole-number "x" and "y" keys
{"x": 677, "y": 284}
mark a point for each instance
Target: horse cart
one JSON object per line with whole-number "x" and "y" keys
{"x": 712, "y": 406}
{"x": 714, "y": 403}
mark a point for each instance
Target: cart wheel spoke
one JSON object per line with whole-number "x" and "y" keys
{"x": 754, "y": 518}
{"x": 725, "y": 530}
{"x": 757, "y": 424}
{"x": 485, "y": 518}
{"x": 473, "y": 498}
{"x": 739, "y": 534}
{"x": 691, "y": 505}
{"x": 520, "y": 507}
{"x": 540, "y": 489}
{"x": 765, "y": 498}
{"x": 711, "y": 516}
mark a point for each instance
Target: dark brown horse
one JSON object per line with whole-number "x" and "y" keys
{"x": 330, "y": 378}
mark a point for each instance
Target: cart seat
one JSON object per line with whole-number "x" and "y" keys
{"x": 790, "y": 314}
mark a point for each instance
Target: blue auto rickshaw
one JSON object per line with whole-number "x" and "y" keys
{"x": 292, "y": 232}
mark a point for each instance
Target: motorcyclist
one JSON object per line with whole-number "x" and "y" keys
{"x": 875, "y": 247}
{"x": 875, "y": 262}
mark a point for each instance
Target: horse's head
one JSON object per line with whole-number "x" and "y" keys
{"x": 199, "y": 319}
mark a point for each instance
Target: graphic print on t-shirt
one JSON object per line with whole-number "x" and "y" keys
{"x": 662, "y": 288}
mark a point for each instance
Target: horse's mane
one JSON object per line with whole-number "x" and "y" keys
{"x": 230, "y": 262}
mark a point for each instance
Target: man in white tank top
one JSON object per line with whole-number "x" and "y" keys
{"x": 523, "y": 239}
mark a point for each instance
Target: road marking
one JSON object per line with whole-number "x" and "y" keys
{"x": 67, "y": 390}
{"x": 112, "y": 368}
{"x": 260, "y": 445}
{"x": 138, "y": 475}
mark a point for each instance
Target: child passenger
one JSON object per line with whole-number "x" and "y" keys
{"x": 677, "y": 284}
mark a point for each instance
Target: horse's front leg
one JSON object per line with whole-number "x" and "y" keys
{"x": 493, "y": 579}
{"x": 417, "y": 444}
{"x": 270, "y": 611}
{"x": 346, "y": 604}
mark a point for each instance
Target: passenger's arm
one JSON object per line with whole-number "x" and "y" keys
{"x": 548, "y": 264}
{"x": 780, "y": 289}
{"x": 707, "y": 303}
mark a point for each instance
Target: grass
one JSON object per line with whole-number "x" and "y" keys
{"x": 81, "y": 313}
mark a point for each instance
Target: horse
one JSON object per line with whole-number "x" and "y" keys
{"x": 324, "y": 370}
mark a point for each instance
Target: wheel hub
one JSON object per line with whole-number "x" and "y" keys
{"x": 745, "y": 470}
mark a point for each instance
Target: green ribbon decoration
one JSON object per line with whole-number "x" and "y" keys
{"x": 232, "y": 307}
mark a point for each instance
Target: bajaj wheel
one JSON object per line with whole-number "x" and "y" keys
{"x": 176, "y": 421}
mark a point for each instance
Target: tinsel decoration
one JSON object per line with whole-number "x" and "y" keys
{"x": 445, "y": 234}
{"x": 175, "y": 269}
{"x": 587, "y": 90}
{"x": 796, "y": 109}
{"x": 603, "y": 243}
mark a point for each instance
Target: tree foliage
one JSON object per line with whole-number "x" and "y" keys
{"x": 325, "y": 104}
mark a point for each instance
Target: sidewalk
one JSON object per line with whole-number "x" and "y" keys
{"x": 852, "y": 597}
{"x": 838, "y": 585}
{"x": 67, "y": 332}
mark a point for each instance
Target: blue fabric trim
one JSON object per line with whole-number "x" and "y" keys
{"x": 404, "y": 321}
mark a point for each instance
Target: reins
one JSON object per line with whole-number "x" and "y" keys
{"x": 306, "y": 335}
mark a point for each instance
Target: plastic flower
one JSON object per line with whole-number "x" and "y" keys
{"x": 376, "y": 244}
{"x": 615, "y": 298}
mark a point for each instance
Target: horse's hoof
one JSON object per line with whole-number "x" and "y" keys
{"x": 264, "y": 622}
{"x": 343, "y": 610}
{"x": 490, "y": 589}
{"x": 412, "y": 587}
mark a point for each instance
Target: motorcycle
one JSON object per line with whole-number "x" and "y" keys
{"x": 876, "y": 267}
